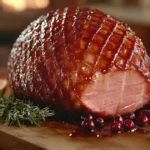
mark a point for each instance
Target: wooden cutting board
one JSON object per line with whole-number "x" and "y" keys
{"x": 56, "y": 137}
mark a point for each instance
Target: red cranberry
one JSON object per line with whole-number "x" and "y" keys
{"x": 128, "y": 125}
{"x": 87, "y": 124}
{"x": 132, "y": 116}
{"x": 142, "y": 120}
{"x": 90, "y": 117}
{"x": 99, "y": 122}
{"x": 118, "y": 119}
{"x": 116, "y": 127}
{"x": 145, "y": 112}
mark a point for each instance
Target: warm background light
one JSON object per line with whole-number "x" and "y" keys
{"x": 37, "y": 3}
{"x": 21, "y": 5}
{"x": 10, "y": 5}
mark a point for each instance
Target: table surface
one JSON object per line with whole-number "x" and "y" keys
{"x": 56, "y": 137}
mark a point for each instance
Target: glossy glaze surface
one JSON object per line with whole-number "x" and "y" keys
{"x": 56, "y": 57}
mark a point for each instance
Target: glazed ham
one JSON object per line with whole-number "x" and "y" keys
{"x": 81, "y": 60}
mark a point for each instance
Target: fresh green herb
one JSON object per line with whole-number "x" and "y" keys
{"x": 16, "y": 112}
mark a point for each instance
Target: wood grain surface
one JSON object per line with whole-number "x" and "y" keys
{"x": 55, "y": 136}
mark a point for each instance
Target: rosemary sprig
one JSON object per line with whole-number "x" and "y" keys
{"x": 16, "y": 112}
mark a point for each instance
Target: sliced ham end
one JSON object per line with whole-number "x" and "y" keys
{"x": 116, "y": 92}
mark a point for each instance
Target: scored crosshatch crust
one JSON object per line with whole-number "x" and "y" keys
{"x": 55, "y": 57}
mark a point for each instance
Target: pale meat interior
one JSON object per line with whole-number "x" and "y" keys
{"x": 116, "y": 92}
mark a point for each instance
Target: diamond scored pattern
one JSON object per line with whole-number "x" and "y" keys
{"x": 56, "y": 56}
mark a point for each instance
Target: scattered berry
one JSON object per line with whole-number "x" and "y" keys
{"x": 132, "y": 116}
{"x": 142, "y": 120}
{"x": 118, "y": 119}
{"x": 128, "y": 125}
{"x": 145, "y": 112}
{"x": 116, "y": 127}
{"x": 90, "y": 117}
{"x": 87, "y": 124}
{"x": 99, "y": 122}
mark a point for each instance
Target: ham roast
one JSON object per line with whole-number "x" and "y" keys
{"x": 81, "y": 60}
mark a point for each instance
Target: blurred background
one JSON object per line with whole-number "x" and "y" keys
{"x": 15, "y": 15}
